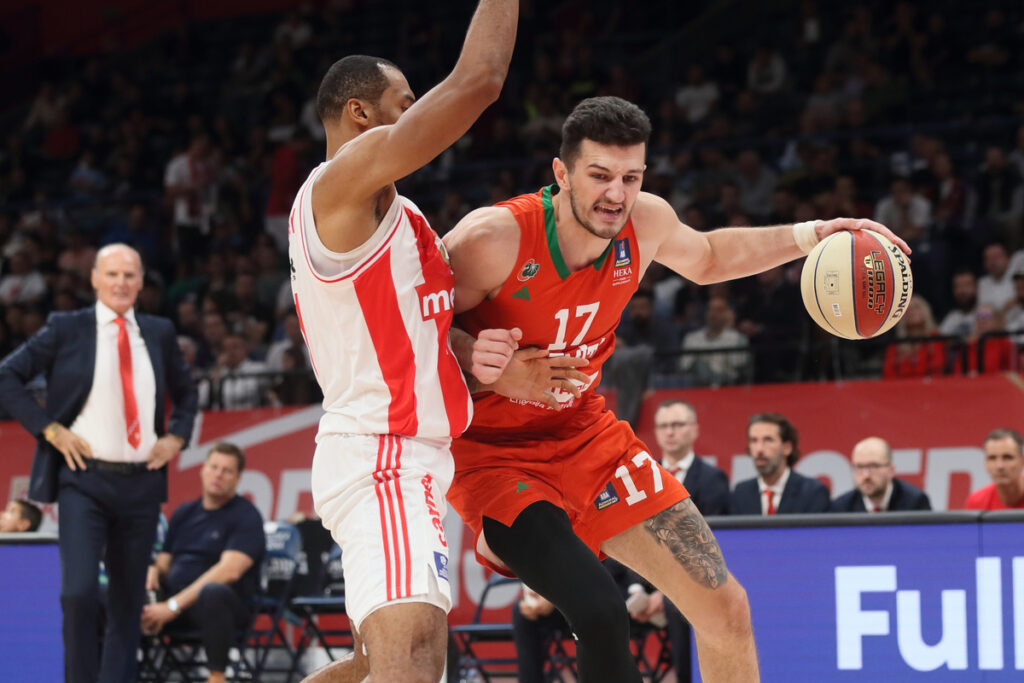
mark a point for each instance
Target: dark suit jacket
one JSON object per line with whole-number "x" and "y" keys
{"x": 64, "y": 350}
{"x": 708, "y": 487}
{"x": 802, "y": 494}
{"x": 904, "y": 497}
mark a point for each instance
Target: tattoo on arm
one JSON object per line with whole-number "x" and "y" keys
{"x": 682, "y": 529}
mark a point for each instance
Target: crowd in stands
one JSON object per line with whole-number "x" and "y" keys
{"x": 191, "y": 148}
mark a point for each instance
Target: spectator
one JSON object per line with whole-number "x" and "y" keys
{"x": 20, "y": 516}
{"x": 904, "y": 211}
{"x": 757, "y": 183}
{"x": 698, "y": 97}
{"x": 995, "y": 287}
{"x": 877, "y": 489}
{"x": 210, "y": 562}
{"x": 766, "y": 72}
{"x": 915, "y": 358}
{"x": 188, "y": 181}
{"x": 998, "y": 199}
{"x": 237, "y": 381}
{"x": 292, "y": 338}
{"x": 714, "y": 369}
{"x": 288, "y": 168}
{"x": 1004, "y": 462}
{"x": 960, "y": 320}
{"x": 297, "y": 386}
{"x": 773, "y": 443}
{"x": 1015, "y": 314}
{"x": 107, "y": 425}
{"x": 24, "y": 284}
{"x": 997, "y": 354}
{"x": 772, "y": 319}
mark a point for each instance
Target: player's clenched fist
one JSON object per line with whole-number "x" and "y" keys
{"x": 492, "y": 351}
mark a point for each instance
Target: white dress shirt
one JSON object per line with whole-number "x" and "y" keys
{"x": 776, "y": 490}
{"x": 884, "y": 505}
{"x": 681, "y": 467}
{"x": 101, "y": 422}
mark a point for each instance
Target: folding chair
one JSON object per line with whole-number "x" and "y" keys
{"x": 469, "y": 636}
{"x": 644, "y": 636}
{"x": 270, "y": 612}
{"x": 329, "y": 600}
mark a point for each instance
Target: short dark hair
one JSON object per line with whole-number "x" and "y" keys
{"x": 787, "y": 432}
{"x": 226, "y": 448}
{"x": 1006, "y": 433}
{"x": 677, "y": 402}
{"x": 606, "y": 120}
{"x": 357, "y": 76}
{"x": 31, "y": 512}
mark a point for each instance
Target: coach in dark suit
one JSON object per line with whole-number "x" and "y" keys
{"x": 102, "y": 452}
{"x": 773, "y": 443}
{"x": 877, "y": 489}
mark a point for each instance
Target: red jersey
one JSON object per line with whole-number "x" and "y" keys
{"x": 564, "y": 312}
{"x": 987, "y": 498}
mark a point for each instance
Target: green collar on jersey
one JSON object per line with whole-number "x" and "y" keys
{"x": 551, "y": 233}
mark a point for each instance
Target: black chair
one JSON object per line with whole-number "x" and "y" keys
{"x": 271, "y": 613}
{"x": 644, "y": 637}
{"x": 328, "y": 600}
{"x": 469, "y": 636}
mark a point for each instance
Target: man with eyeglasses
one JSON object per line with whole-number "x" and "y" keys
{"x": 876, "y": 488}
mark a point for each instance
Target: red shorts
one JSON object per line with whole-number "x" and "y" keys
{"x": 602, "y": 476}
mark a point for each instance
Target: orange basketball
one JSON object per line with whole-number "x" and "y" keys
{"x": 856, "y": 284}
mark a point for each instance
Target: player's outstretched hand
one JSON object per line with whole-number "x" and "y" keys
{"x": 825, "y": 228}
{"x": 533, "y": 375}
{"x": 492, "y": 351}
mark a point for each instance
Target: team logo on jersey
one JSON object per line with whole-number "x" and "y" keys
{"x": 622, "y": 255}
{"x": 441, "y": 562}
{"x": 528, "y": 270}
{"x": 607, "y": 497}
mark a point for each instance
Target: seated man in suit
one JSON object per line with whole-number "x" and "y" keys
{"x": 676, "y": 430}
{"x": 773, "y": 443}
{"x": 20, "y": 516}
{"x": 877, "y": 489}
{"x": 210, "y": 561}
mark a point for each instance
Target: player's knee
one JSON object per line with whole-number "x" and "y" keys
{"x": 731, "y": 619}
{"x": 600, "y": 616}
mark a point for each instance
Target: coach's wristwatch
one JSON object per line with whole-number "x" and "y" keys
{"x": 172, "y": 605}
{"x": 50, "y": 431}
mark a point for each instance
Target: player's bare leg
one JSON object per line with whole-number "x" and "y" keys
{"x": 352, "y": 668}
{"x": 676, "y": 551}
{"x": 406, "y": 643}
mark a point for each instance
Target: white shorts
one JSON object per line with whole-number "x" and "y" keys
{"x": 382, "y": 497}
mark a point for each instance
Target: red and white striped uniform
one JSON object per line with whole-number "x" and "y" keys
{"x": 376, "y": 323}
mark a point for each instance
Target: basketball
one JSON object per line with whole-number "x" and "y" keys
{"x": 856, "y": 284}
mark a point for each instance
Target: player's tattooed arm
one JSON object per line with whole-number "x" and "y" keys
{"x": 682, "y": 529}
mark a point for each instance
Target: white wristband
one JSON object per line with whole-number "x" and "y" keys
{"x": 805, "y": 236}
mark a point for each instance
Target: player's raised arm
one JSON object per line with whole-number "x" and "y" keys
{"x": 389, "y": 152}
{"x": 729, "y": 253}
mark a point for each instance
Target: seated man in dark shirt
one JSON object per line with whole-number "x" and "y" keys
{"x": 210, "y": 561}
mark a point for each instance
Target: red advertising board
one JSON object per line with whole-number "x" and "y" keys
{"x": 936, "y": 429}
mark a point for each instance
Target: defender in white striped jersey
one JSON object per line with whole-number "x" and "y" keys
{"x": 373, "y": 291}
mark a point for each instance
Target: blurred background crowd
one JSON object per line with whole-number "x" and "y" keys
{"x": 191, "y": 146}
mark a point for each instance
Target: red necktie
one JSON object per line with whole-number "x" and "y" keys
{"x": 131, "y": 410}
{"x": 771, "y": 503}
{"x": 876, "y": 509}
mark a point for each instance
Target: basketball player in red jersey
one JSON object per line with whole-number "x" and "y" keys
{"x": 373, "y": 291}
{"x": 547, "y": 491}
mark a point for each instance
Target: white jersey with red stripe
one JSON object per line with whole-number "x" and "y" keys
{"x": 376, "y": 323}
